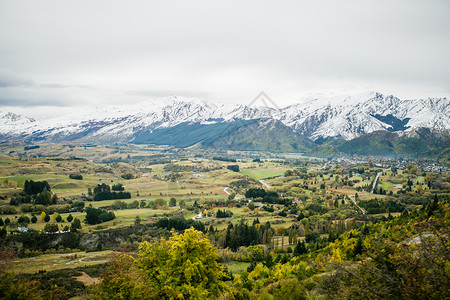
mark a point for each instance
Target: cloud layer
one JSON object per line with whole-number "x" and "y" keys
{"x": 71, "y": 53}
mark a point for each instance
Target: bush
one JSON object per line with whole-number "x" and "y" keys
{"x": 127, "y": 176}
{"x": 118, "y": 187}
{"x": 76, "y": 176}
{"x": 234, "y": 168}
{"x": 23, "y": 220}
{"x": 7, "y": 210}
{"x": 31, "y": 208}
{"x": 51, "y": 228}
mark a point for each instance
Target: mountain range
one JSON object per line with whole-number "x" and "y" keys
{"x": 184, "y": 122}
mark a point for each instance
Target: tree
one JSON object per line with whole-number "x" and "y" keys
{"x": 118, "y": 187}
{"x": 234, "y": 168}
{"x": 7, "y": 221}
{"x": 33, "y": 219}
{"x": 58, "y": 218}
{"x": 185, "y": 266}
{"x": 137, "y": 220}
{"x": 76, "y": 176}
{"x": 231, "y": 196}
{"x": 172, "y": 202}
{"x": 358, "y": 250}
{"x": 312, "y": 237}
{"x": 44, "y": 198}
{"x": 182, "y": 203}
{"x": 300, "y": 248}
{"x": 51, "y": 228}
{"x": 97, "y": 216}
{"x": 1, "y": 222}
{"x": 160, "y": 202}
{"x": 76, "y": 224}
{"x": 69, "y": 218}
{"x": 46, "y": 218}
{"x": 23, "y": 221}
{"x": 33, "y": 188}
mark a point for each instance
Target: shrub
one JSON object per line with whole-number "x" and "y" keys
{"x": 76, "y": 176}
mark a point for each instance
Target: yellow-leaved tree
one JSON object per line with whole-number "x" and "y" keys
{"x": 183, "y": 267}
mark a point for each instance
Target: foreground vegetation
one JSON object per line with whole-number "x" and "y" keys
{"x": 168, "y": 224}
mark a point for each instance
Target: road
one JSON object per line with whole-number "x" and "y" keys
{"x": 265, "y": 184}
{"x": 375, "y": 182}
{"x": 229, "y": 193}
{"x": 352, "y": 197}
{"x": 225, "y": 190}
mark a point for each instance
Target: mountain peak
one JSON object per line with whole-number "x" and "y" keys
{"x": 341, "y": 116}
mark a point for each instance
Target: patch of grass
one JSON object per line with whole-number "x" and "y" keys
{"x": 258, "y": 174}
{"x": 237, "y": 266}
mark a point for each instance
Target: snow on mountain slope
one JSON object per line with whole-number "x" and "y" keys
{"x": 350, "y": 117}
{"x": 10, "y": 123}
{"x": 346, "y": 117}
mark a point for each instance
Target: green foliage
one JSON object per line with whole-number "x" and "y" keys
{"x": 127, "y": 176}
{"x": 45, "y": 198}
{"x": 223, "y": 214}
{"x": 160, "y": 202}
{"x": 8, "y": 210}
{"x": 118, "y": 187}
{"x": 76, "y": 176}
{"x": 173, "y": 202}
{"x": 103, "y": 192}
{"x": 180, "y": 224}
{"x": 234, "y": 168}
{"x": 46, "y": 218}
{"x": 76, "y": 224}
{"x": 97, "y": 216}
{"x": 58, "y": 218}
{"x": 51, "y": 228}
{"x": 23, "y": 220}
{"x": 183, "y": 267}
{"x": 33, "y": 188}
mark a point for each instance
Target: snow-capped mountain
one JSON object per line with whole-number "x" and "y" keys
{"x": 345, "y": 117}
{"x": 350, "y": 117}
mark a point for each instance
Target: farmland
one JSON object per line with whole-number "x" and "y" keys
{"x": 308, "y": 201}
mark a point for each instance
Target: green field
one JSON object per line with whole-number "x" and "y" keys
{"x": 258, "y": 174}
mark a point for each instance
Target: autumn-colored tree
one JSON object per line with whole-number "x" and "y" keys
{"x": 183, "y": 267}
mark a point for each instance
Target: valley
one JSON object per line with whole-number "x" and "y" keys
{"x": 287, "y": 200}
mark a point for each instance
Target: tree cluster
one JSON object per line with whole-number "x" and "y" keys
{"x": 103, "y": 192}
{"x": 224, "y": 214}
{"x": 179, "y": 224}
{"x": 97, "y": 216}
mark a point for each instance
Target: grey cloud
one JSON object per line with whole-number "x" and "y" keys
{"x": 30, "y": 101}
{"x": 228, "y": 50}
{"x": 160, "y": 93}
{"x": 10, "y": 79}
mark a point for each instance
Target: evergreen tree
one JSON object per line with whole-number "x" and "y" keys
{"x": 69, "y": 218}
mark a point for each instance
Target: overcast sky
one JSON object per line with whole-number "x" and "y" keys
{"x": 77, "y": 53}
